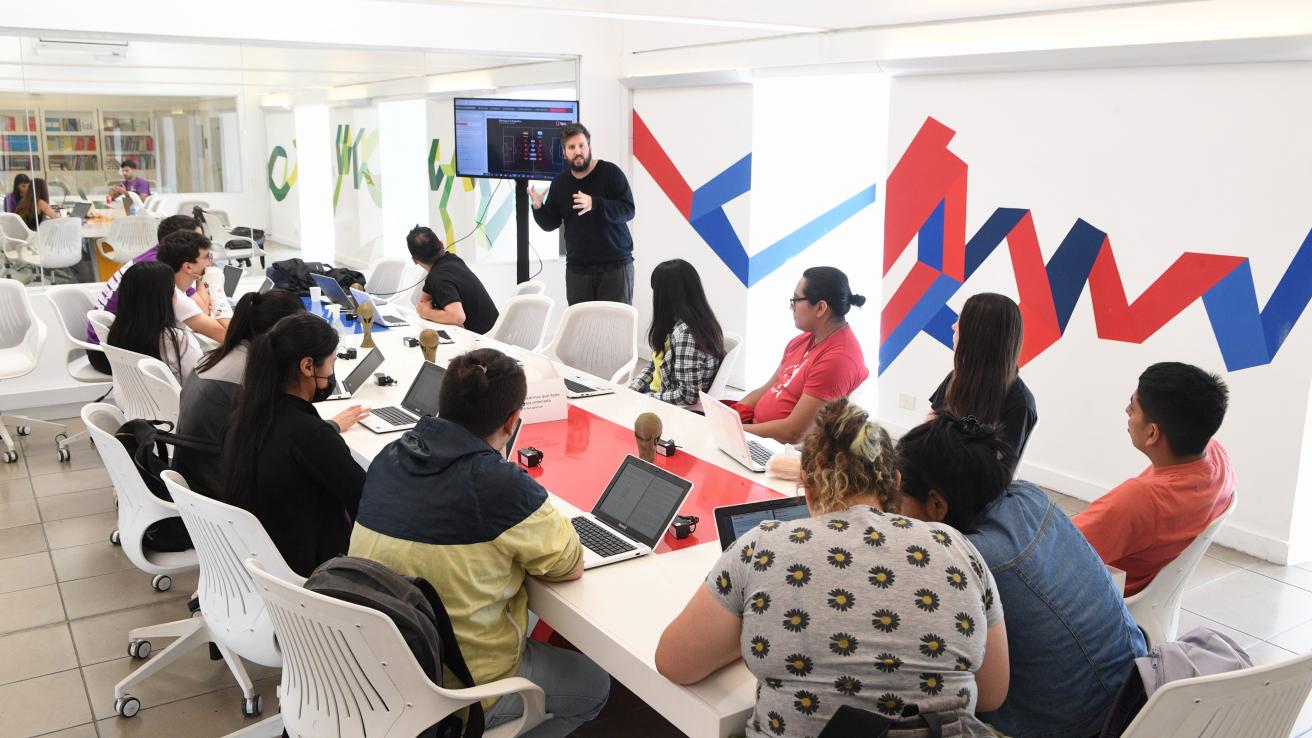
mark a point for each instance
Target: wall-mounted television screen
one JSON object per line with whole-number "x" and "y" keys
{"x": 511, "y": 139}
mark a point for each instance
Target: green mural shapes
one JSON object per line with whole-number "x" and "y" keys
{"x": 353, "y": 156}
{"x": 441, "y": 178}
{"x": 280, "y": 191}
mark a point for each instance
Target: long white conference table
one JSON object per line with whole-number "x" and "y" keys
{"x": 615, "y": 614}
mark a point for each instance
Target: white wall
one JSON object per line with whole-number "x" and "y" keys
{"x": 314, "y": 189}
{"x": 1210, "y": 159}
{"x": 285, "y": 215}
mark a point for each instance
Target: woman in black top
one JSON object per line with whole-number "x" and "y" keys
{"x": 283, "y": 462}
{"x": 985, "y": 379}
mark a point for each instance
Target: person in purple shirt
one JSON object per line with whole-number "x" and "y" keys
{"x": 22, "y": 183}
{"x": 131, "y": 183}
{"x": 108, "y": 299}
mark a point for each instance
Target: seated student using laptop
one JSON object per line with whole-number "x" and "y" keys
{"x": 853, "y": 606}
{"x": 1143, "y": 524}
{"x": 822, "y": 364}
{"x": 1075, "y": 642}
{"x": 452, "y": 294}
{"x": 442, "y": 503}
{"x": 282, "y": 462}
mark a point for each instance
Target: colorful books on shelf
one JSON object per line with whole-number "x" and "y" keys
{"x": 18, "y": 143}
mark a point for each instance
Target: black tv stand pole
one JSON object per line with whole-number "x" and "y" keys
{"x": 521, "y": 231}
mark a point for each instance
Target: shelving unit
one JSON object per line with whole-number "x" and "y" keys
{"x": 19, "y": 146}
{"x": 128, "y": 135}
{"x": 81, "y": 149}
{"x": 71, "y": 150}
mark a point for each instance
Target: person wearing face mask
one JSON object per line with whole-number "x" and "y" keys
{"x": 282, "y": 462}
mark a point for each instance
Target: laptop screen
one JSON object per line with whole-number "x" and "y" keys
{"x": 732, "y": 521}
{"x": 641, "y": 500}
{"x": 422, "y": 397}
{"x": 360, "y": 374}
{"x": 231, "y": 276}
{"x": 332, "y": 290}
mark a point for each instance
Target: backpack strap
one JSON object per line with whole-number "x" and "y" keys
{"x": 451, "y": 655}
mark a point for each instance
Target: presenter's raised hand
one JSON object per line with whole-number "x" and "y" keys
{"x": 582, "y": 202}
{"x": 535, "y": 197}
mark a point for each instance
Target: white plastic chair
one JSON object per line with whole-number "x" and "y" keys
{"x": 128, "y": 237}
{"x": 72, "y": 303}
{"x": 58, "y": 245}
{"x": 523, "y": 323}
{"x": 733, "y": 344}
{"x": 1156, "y": 608}
{"x": 131, "y": 393}
{"x": 138, "y": 509}
{"x": 101, "y": 321}
{"x": 385, "y": 281}
{"x": 531, "y": 287}
{"x": 14, "y": 237}
{"x": 217, "y": 230}
{"x": 1261, "y": 702}
{"x": 163, "y": 387}
{"x": 348, "y": 672}
{"x": 600, "y": 338}
{"x": 232, "y": 614}
{"x": 22, "y": 335}
{"x": 187, "y": 207}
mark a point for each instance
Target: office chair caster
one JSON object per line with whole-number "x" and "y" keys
{"x": 161, "y": 582}
{"x": 252, "y": 706}
{"x": 62, "y": 453}
{"x": 139, "y": 649}
{"x": 127, "y": 706}
{"x": 11, "y": 457}
{"x": 24, "y": 430}
{"x": 113, "y": 538}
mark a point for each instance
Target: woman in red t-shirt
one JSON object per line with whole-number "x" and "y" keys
{"x": 823, "y": 364}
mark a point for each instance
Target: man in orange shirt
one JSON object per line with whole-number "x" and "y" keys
{"x": 1145, "y": 522}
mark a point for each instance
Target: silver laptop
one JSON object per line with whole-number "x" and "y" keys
{"x": 265, "y": 286}
{"x": 574, "y": 389}
{"x": 727, "y": 431}
{"x": 333, "y": 291}
{"x": 80, "y": 210}
{"x": 633, "y": 513}
{"x": 358, "y": 376}
{"x": 360, "y": 297}
{"x": 420, "y": 401}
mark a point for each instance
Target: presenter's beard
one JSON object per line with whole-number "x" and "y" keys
{"x": 576, "y": 166}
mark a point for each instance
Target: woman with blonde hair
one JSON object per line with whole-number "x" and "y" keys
{"x": 855, "y": 605}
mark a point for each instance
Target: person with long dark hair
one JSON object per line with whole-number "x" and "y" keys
{"x": 822, "y": 364}
{"x": 442, "y": 503}
{"x": 147, "y": 323}
{"x": 34, "y": 206}
{"x": 284, "y": 463}
{"x": 985, "y": 378}
{"x": 687, "y": 344}
{"x": 22, "y": 183}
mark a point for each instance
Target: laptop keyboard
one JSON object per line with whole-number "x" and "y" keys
{"x": 760, "y": 454}
{"x": 575, "y": 387}
{"x": 394, "y": 415}
{"x": 599, "y": 540}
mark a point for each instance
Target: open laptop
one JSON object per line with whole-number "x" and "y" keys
{"x": 360, "y": 297}
{"x": 420, "y": 401}
{"x": 358, "y": 376}
{"x": 80, "y": 210}
{"x": 509, "y": 451}
{"x": 265, "y": 286}
{"x": 727, "y": 431}
{"x": 231, "y": 277}
{"x": 574, "y": 389}
{"x": 732, "y": 521}
{"x": 633, "y": 513}
{"x": 333, "y": 291}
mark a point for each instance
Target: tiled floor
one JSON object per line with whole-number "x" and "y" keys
{"x": 68, "y": 598}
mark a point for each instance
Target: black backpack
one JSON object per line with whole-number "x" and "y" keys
{"x": 413, "y": 604}
{"x": 145, "y": 442}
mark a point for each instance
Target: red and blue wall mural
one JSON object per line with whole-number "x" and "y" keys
{"x": 703, "y": 208}
{"x": 926, "y": 200}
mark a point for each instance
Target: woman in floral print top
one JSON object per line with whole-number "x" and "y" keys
{"x": 851, "y": 606}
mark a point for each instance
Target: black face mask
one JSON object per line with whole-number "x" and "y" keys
{"x": 323, "y": 393}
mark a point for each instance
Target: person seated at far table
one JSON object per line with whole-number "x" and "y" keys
{"x": 824, "y": 363}
{"x": 22, "y": 183}
{"x": 452, "y": 294}
{"x": 1146, "y": 522}
{"x": 131, "y": 184}
{"x": 855, "y": 605}
{"x": 34, "y": 206}
{"x": 442, "y": 503}
{"x": 1073, "y": 642}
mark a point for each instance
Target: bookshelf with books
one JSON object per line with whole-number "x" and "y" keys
{"x": 128, "y": 134}
{"x": 20, "y": 149}
{"x": 71, "y": 150}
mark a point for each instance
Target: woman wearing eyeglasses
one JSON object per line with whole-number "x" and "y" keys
{"x": 823, "y": 364}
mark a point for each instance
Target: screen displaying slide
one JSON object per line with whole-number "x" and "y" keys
{"x": 511, "y": 139}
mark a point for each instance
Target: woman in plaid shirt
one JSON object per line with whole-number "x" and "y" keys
{"x": 687, "y": 344}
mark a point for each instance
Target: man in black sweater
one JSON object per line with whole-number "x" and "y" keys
{"x": 593, "y": 201}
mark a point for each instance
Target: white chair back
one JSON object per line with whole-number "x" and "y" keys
{"x": 1156, "y": 608}
{"x": 101, "y": 321}
{"x": 600, "y": 338}
{"x": 218, "y": 230}
{"x": 531, "y": 287}
{"x": 138, "y": 509}
{"x": 128, "y": 237}
{"x": 22, "y": 334}
{"x": 186, "y": 207}
{"x": 524, "y": 321}
{"x": 1261, "y": 702}
{"x": 733, "y": 344}
{"x": 225, "y": 537}
{"x": 163, "y": 387}
{"x": 348, "y": 672}
{"x": 386, "y": 278}
{"x": 58, "y": 243}
{"x": 72, "y": 303}
{"x": 14, "y": 230}
{"x": 131, "y": 393}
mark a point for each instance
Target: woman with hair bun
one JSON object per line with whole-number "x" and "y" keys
{"x": 823, "y": 364}
{"x": 442, "y": 503}
{"x": 853, "y": 606}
